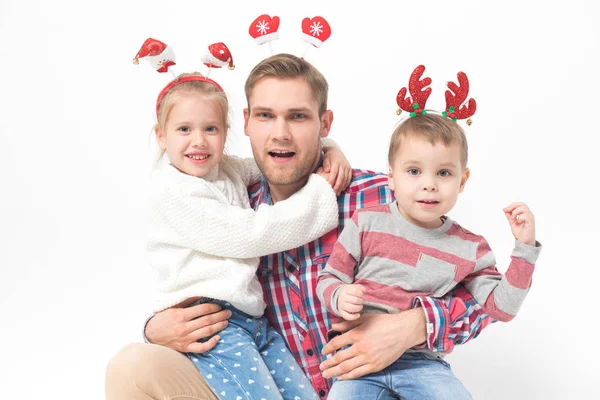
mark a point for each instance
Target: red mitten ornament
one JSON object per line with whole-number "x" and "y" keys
{"x": 264, "y": 29}
{"x": 315, "y": 31}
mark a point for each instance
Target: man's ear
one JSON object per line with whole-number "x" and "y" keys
{"x": 326, "y": 121}
{"x": 464, "y": 179}
{"x": 160, "y": 138}
{"x": 246, "y": 116}
{"x": 391, "y": 180}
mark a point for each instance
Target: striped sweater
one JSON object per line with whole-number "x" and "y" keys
{"x": 397, "y": 261}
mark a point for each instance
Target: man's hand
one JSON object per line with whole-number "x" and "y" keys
{"x": 180, "y": 327}
{"x": 377, "y": 340}
{"x": 350, "y": 301}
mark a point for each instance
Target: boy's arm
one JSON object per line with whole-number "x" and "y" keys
{"x": 196, "y": 218}
{"x": 340, "y": 266}
{"x": 482, "y": 298}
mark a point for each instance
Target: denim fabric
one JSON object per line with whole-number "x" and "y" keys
{"x": 412, "y": 377}
{"x": 251, "y": 362}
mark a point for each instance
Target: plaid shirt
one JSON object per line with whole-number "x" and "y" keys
{"x": 289, "y": 281}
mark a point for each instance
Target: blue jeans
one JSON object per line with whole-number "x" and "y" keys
{"x": 251, "y": 361}
{"x": 412, "y": 376}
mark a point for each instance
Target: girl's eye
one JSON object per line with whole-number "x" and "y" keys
{"x": 211, "y": 129}
{"x": 444, "y": 173}
{"x": 413, "y": 171}
{"x": 184, "y": 129}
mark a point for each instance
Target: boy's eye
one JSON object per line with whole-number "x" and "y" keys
{"x": 444, "y": 173}
{"x": 184, "y": 129}
{"x": 211, "y": 129}
{"x": 413, "y": 171}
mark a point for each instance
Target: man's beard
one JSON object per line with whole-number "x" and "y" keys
{"x": 286, "y": 175}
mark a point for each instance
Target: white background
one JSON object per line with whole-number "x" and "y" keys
{"x": 76, "y": 150}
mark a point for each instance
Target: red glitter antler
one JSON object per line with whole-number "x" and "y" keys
{"x": 456, "y": 96}
{"x": 418, "y": 90}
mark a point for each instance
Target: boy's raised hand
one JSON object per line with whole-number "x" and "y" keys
{"x": 522, "y": 222}
{"x": 350, "y": 301}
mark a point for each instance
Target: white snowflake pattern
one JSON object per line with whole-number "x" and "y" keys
{"x": 316, "y": 28}
{"x": 262, "y": 27}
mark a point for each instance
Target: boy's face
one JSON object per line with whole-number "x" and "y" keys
{"x": 194, "y": 135}
{"x": 284, "y": 127}
{"x": 426, "y": 180}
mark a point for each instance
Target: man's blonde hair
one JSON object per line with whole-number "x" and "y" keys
{"x": 433, "y": 128}
{"x": 287, "y": 66}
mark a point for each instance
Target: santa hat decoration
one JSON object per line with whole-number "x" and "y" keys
{"x": 264, "y": 29}
{"x": 217, "y": 56}
{"x": 159, "y": 55}
{"x": 315, "y": 30}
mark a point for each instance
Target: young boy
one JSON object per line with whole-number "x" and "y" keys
{"x": 388, "y": 255}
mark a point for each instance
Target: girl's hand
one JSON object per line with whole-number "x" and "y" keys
{"x": 522, "y": 222}
{"x": 338, "y": 168}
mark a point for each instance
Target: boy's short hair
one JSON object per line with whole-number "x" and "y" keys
{"x": 435, "y": 129}
{"x": 287, "y": 66}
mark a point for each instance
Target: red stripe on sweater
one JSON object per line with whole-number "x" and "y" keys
{"x": 519, "y": 273}
{"x": 392, "y": 296}
{"x": 406, "y": 252}
{"x": 491, "y": 309}
{"x": 341, "y": 260}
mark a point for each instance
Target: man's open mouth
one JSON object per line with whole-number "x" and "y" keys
{"x": 281, "y": 154}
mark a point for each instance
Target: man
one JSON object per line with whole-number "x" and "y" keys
{"x": 286, "y": 117}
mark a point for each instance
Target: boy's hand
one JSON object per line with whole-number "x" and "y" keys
{"x": 350, "y": 301}
{"x": 338, "y": 167}
{"x": 522, "y": 222}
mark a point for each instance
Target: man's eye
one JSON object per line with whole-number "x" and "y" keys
{"x": 299, "y": 116}
{"x": 413, "y": 171}
{"x": 264, "y": 115}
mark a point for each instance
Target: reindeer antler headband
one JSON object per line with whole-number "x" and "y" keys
{"x": 162, "y": 58}
{"x": 420, "y": 92}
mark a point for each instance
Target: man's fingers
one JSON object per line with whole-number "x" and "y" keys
{"x": 358, "y": 372}
{"x": 344, "y": 326}
{"x": 336, "y": 343}
{"x": 200, "y": 310}
{"x": 338, "y": 358}
{"x": 201, "y": 347}
{"x": 344, "y": 367}
{"x": 207, "y": 331}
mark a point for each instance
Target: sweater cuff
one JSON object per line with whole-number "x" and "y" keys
{"x": 527, "y": 252}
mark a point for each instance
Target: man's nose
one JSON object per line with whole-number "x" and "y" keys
{"x": 281, "y": 130}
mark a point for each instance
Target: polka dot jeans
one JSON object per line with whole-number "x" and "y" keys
{"x": 252, "y": 362}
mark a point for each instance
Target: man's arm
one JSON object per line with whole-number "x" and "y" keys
{"x": 377, "y": 340}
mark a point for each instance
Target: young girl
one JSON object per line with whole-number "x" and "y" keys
{"x": 204, "y": 239}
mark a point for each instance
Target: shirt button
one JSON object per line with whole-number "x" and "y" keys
{"x": 291, "y": 268}
{"x": 322, "y": 393}
{"x": 309, "y": 352}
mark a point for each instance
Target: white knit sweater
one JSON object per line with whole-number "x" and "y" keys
{"x": 205, "y": 240}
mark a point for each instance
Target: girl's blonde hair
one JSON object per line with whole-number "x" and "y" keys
{"x": 204, "y": 89}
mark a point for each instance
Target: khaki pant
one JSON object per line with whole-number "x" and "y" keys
{"x": 143, "y": 371}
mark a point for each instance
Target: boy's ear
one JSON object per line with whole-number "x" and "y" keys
{"x": 391, "y": 180}
{"x": 464, "y": 179}
{"x": 160, "y": 138}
